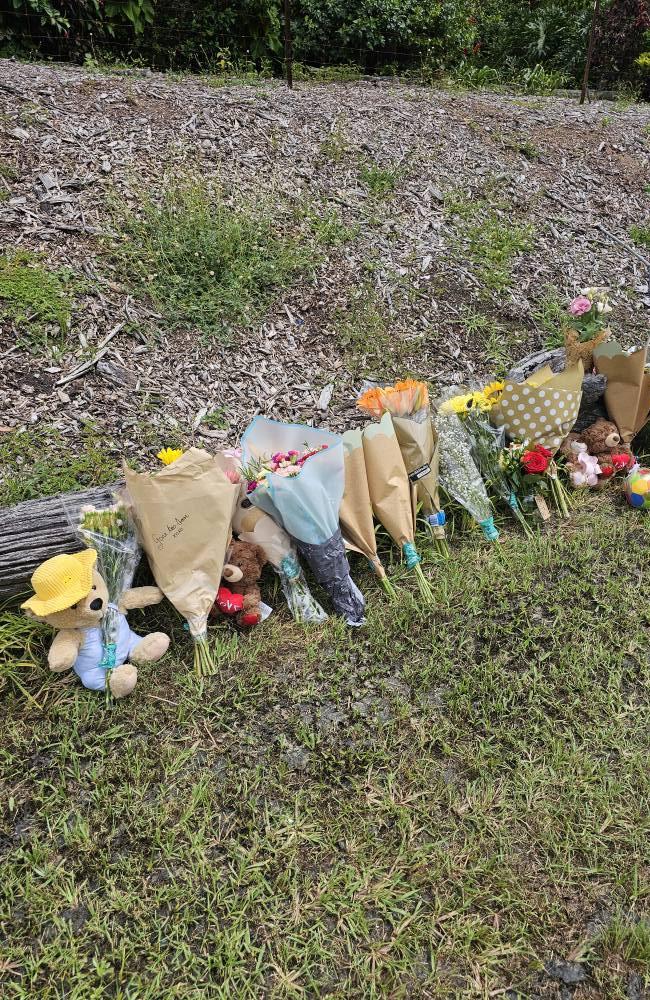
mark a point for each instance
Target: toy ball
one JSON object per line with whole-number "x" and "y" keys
{"x": 637, "y": 488}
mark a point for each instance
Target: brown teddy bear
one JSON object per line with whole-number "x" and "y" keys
{"x": 602, "y": 439}
{"x": 242, "y": 573}
{"x": 72, "y": 597}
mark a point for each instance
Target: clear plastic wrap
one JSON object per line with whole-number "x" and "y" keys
{"x": 459, "y": 475}
{"x": 112, "y": 534}
{"x": 254, "y": 525}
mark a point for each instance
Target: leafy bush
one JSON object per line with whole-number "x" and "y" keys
{"x": 203, "y": 264}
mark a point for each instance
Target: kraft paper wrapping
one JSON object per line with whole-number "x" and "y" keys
{"x": 391, "y": 493}
{"x": 183, "y": 514}
{"x": 418, "y": 441}
{"x": 627, "y": 396}
{"x": 355, "y": 512}
{"x": 543, "y": 409}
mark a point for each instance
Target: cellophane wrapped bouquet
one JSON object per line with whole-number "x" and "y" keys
{"x": 296, "y": 475}
{"x": 112, "y": 534}
{"x": 256, "y": 526}
{"x": 407, "y": 401}
{"x": 488, "y": 443}
{"x": 459, "y": 474}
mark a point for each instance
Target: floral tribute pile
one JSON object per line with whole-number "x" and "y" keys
{"x": 301, "y": 494}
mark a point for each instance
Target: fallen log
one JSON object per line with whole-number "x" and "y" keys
{"x": 35, "y": 530}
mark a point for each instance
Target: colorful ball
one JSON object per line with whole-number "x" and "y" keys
{"x": 637, "y": 488}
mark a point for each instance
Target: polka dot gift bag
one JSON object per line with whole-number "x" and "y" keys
{"x": 543, "y": 409}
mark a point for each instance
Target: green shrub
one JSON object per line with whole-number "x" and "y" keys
{"x": 204, "y": 264}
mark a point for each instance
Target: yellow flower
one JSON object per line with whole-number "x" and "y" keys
{"x": 169, "y": 455}
{"x": 458, "y": 404}
{"x": 492, "y": 394}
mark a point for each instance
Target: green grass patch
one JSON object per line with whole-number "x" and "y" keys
{"x": 494, "y": 243}
{"x": 433, "y": 806}
{"x": 41, "y": 463}
{"x": 371, "y": 344}
{"x": 33, "y": 296}
{"x": 498, "y": 344}
{"x": 380, "y": 181}
{"x": 641, "y": 235}
{"x": 486, "y": 233}
{"x": 204, "y": 264}
{"x": 329, "y": 229}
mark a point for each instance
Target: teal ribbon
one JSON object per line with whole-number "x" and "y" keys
{"x": 489, "y": 529}
{"x": 290, "y": 567}
{"x": 109, "y": 657}
{"x": 410, "y": 555}
{"x": 512, "y": 500}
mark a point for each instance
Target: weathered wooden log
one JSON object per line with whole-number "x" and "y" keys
{"x": 593, "y": 386}
{"x": 35, "y": 530}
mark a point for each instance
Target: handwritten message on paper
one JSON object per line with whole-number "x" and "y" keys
{"x": 172, "y": 530}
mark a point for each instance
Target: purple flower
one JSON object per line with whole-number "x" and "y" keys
{"x": 579, "y": 306}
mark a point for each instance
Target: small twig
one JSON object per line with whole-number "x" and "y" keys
{"x": 101, "y": 351}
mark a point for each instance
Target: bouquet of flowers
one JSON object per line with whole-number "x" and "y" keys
{"x": 112, "y": 534}
{"x": 587, "y": 325}
{"x": 458, "y": 472}
{"x": 253, "y": 525}
{"x": 183, "y": 513}
{"x": 296, "y": 475}
{"x": 532, "y": 471}
{"x": 408, "y": 403}
{"x": 355, "y": 514}
{"x": 392, "y": 495}
{"x": 488, "y": 443}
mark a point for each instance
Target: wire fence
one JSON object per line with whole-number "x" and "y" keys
{"x": 167, "y": 46}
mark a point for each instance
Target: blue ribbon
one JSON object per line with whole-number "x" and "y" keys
{"x": 512, "y": 500}
{"x": 410, "y": 555}
{"x": 489, "y": 529}
{"x": 109, "y": 657}
{"x": 437, "y": 520}
{"x": 290, "y": 567}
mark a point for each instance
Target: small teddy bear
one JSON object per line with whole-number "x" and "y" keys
{"x": 72, "y": 597}
{"x": 241, "y": 574}
{"x": 603, "y": 441}
{"x": 584, "y": 469}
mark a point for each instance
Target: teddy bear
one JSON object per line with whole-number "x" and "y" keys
{"x": 603, "y": 441}
{"x": 241, "y": 594}
{"x": 72, "y": 597}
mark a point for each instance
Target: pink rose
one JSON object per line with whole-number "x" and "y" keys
{"x": 579, "y": 306}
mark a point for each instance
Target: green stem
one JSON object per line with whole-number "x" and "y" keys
{"x": 424, "y": 586}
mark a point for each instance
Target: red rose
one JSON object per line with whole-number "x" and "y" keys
{"x": 533, "y": 462}
{"x": 606, "y": 471}
{"x": 541, "y": 450}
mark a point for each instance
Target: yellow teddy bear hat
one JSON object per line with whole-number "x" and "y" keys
{"x": 60, "y": 582}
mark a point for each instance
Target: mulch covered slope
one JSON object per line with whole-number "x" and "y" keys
{"x": 73, "y": 139}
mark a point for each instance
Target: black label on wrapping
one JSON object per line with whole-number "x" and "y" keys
{"x": 420, "y": 473}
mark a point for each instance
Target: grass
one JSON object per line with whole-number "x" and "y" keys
{"x": 33, "y": 296}
{"x": 380, "y": 181}
{"x": 371, "y": 344}
{"x": 497, "y": 343}
{"x": 641, "y": 235}
{"x": 40, "y": 463}
{"x": 204, "y": 264}
{"x": 431, "y": 807}
{"x": 494, "y": 243}
{"x": 329, "y": 229}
